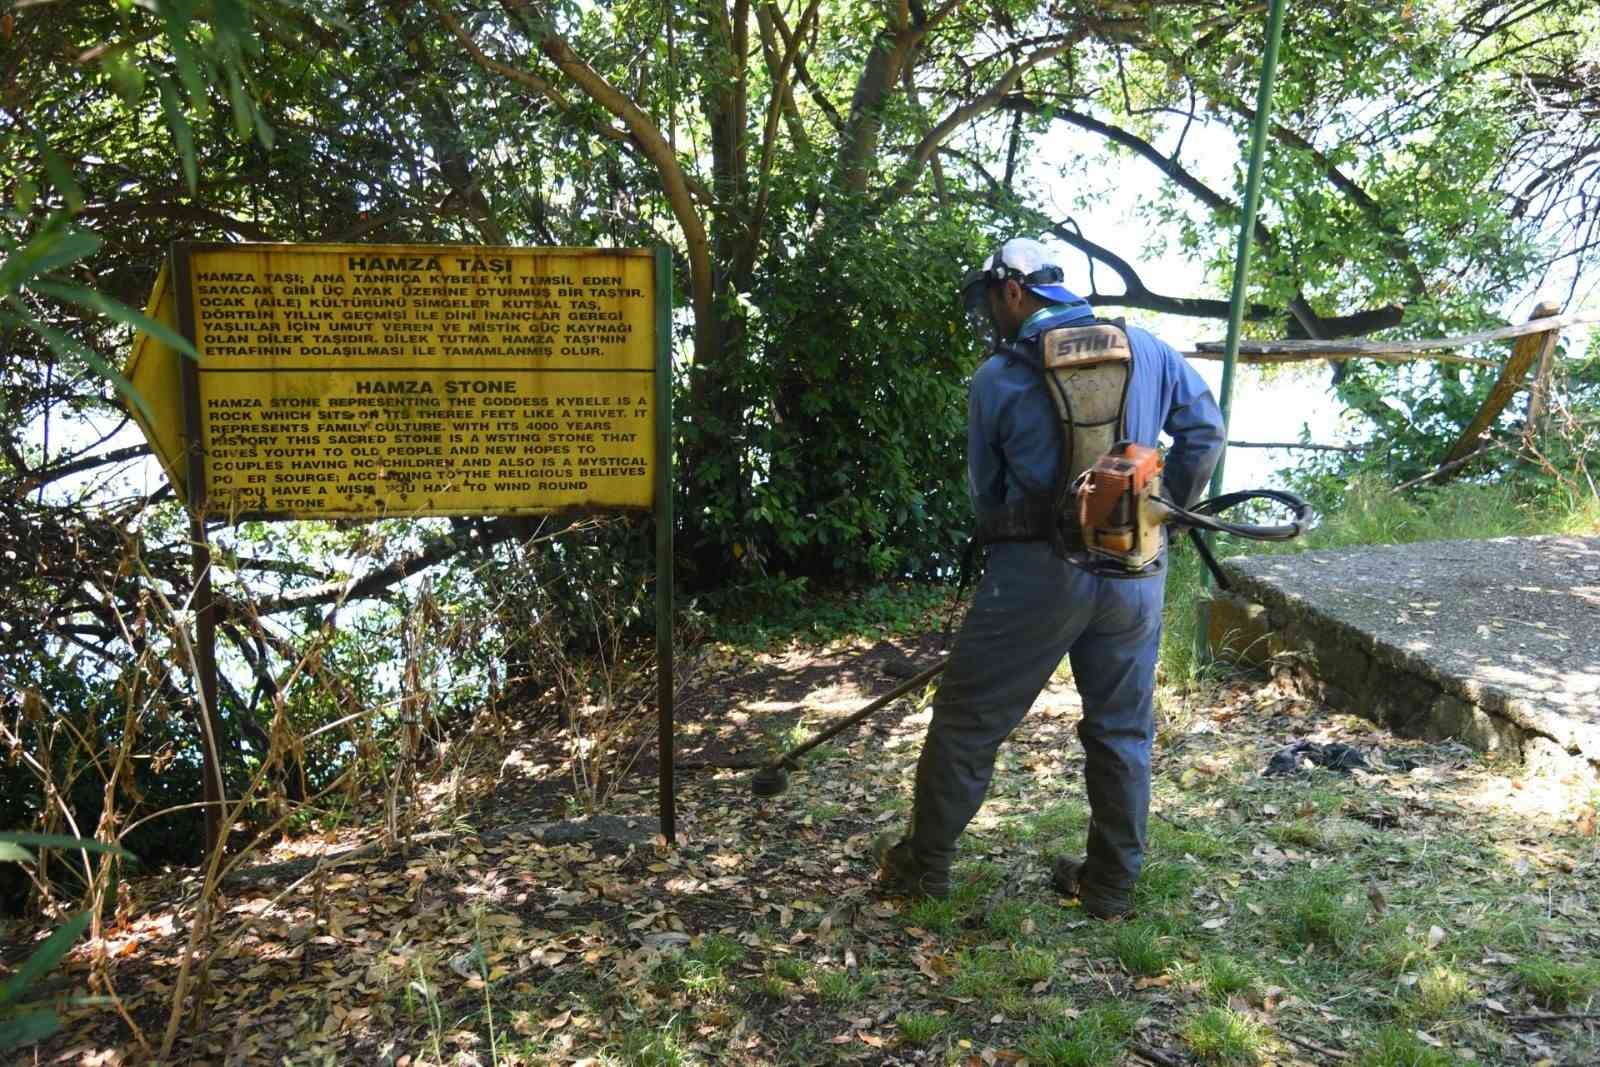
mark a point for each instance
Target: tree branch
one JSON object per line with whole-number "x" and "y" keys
{"x": 1166, "y": 164}
{"x": 676, "y": 183}
{"x": 378, "y": 581}
{"x": 964, "y": 113}
{"x": 803, "y": 73}
{"x": 29, "y": 480}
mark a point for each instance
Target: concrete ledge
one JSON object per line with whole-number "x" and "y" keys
{"x": 1496, "y": 643}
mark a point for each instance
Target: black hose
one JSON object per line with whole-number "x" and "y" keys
{"x": 1200, "y": 515}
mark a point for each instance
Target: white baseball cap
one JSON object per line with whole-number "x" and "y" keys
{"x": 1032, "y": 264}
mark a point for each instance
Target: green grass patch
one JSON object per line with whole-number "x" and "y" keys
{"x": 920, "y": 1027}
{"x": 1222, "y": 976}
{"x": 1142, "y": 947}
{"x": 975, "y": 882}
{"x": 1163, "y": 884}
{"x": 791, "y": 969}
{"x": 1296, "y": 833}
{"x": 1395, "y": 947}
{"x": 1003, "y": 978}
{"x": 701, "y": 970}
{"x": 1012, "y": 919}
{"x": 1031, "y": 965}
{"x": 1094, "y": 1038}
{"x": 1439, "y": 991}
{"x": 1393, "y": 1046}
{"x": 1318, "y": 908}
{"x": 771, "y": 984}
{"x": 1223, "y": 1036}
{"x": 1172, "y": 842}
{"x": 718, "y": 951}
{"x": 1557, "y": 985}
{"x": 661, "y": 1046}
{"x": 1061, "y": 824}
{"x": 981, "y": 973}
{"x": 940, "y": 916}
{"x": 841, "y": 988}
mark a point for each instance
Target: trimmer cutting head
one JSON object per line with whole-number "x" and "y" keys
{"x": 769, "y": 782}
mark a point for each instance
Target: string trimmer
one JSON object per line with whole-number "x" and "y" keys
{"x": 773, "y": 778}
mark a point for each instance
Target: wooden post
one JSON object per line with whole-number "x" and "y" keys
{"x": 1524, "y": 354}
{"x": 1543, "y": 374}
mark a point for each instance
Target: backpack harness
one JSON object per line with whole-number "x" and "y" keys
{"x": 1094, "y": 514}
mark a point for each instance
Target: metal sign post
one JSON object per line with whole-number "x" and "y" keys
{"x": 202, "y": 603}
{"x": 1241, "y": 271}
{"x": 664, "y": 522}
{"x": 1247, "y": 225}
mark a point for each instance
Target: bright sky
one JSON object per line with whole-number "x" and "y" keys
{"x": 1110, "y": 211}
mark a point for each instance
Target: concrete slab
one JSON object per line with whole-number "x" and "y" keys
{"x": 1495, "y": 642}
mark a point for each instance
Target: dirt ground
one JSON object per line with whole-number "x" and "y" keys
{"x": 511, "y": 928}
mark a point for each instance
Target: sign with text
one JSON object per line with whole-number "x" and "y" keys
{"x": 362, "y": 381}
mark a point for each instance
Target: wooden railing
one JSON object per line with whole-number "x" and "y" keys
{"x": 1533, "y": 349}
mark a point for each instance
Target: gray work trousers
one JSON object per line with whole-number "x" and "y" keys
{"x": 1031, "y": 609}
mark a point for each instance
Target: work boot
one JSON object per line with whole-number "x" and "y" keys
{"x": 1067, "y": 875}
{"x": 900, "y": 870}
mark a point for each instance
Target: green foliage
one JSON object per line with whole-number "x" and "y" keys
{"x": 1224, "y": 976}
{"x": 775, "y": 611}
{"x": 1318, "y": 908}
{"x": 842, "y": 988}
{"x": 1438, "y": 993}
{"x": 844, "y": 455}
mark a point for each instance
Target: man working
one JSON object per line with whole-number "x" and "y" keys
{"x": 1041, "y": 597}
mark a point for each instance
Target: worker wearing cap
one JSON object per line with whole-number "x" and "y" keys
{"x": 1037, "y": 603}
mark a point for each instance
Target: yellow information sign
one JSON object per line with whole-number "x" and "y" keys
{"x": 364, "y": 381}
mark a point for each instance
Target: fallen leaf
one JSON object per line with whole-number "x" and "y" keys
{"x": 665, "y": 939}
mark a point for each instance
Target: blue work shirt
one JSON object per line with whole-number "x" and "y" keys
{"x": 1013, "y": 446}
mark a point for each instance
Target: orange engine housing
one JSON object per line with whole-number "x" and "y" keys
{"x": 1112, "y": 505}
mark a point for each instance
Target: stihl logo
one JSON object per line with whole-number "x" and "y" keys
{"x": 1084, "y": 345}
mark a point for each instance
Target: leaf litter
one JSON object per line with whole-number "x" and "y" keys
{"x": 1321, "y": 914}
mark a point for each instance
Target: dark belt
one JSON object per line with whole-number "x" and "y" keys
{"x": 1033, "y": 518}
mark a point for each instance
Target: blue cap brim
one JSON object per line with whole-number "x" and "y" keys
{"x": 1056, "y": 294}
